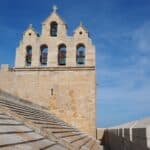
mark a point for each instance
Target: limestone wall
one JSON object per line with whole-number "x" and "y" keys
{"x": 67, "y": 92}
{"x": 131, "y": 136}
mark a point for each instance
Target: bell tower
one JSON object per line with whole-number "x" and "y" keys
{"x": 57, "y": 71}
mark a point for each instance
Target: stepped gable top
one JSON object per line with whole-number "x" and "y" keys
{"x": 81, "y": 30}
{"x": 38, "y": 127}
{"x": 54, "y": 15}
{"x": 31, "y": 31}
{"x": 81, "y": 26}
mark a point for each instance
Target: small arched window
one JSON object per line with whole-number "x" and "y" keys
{"x": 62, "y": 54}
{"x": 53, "y": 29}
{"x": 80, "y": 54}
{"x": 44, "y": 54}
{"x": 28, "y": 55}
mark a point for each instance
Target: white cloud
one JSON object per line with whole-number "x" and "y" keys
{"x": 141, "y": 37}
{"x": 123, "y": 85}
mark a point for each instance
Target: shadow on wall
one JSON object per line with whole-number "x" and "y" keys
{"x": 126, "y": 139}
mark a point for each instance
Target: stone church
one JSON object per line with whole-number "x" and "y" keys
{"x": 56, "y": 72}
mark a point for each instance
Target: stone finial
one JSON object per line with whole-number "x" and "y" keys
{"x": 81, "y": 24}
{"x": 30, "y": 26}
{"x": 55, "y": 8}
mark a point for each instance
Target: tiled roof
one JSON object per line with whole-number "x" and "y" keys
{"x": 24, "y": 126}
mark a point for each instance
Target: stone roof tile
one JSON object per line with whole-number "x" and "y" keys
{"x": 24, "y": 126}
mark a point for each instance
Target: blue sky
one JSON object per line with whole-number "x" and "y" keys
{"x": 120, "y": 29}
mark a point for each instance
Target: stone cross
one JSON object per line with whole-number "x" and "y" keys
{"x": 81, "y": 24}
{"x": 55, "y": 8}
{"x": 30, "y": 25}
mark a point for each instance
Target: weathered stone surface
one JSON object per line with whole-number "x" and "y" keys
{"x": 5, "y": 128}
{"x": 24, "y": 123}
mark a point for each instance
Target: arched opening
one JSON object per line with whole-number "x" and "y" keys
{"x": 44, "y": 54}
{"x": 28, "y": 55}
{"x": 53, "y": 29}
{"x": 80, "y": 54}
{"x": 62, "y": 54}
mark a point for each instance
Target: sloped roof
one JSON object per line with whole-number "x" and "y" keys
{"x": 32, "y": 29}
{"x": 81, "y": 26}
{"x": 25, "y": 126}
{"x": 16, "y": 135}
{"x": 54, "y": 14}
